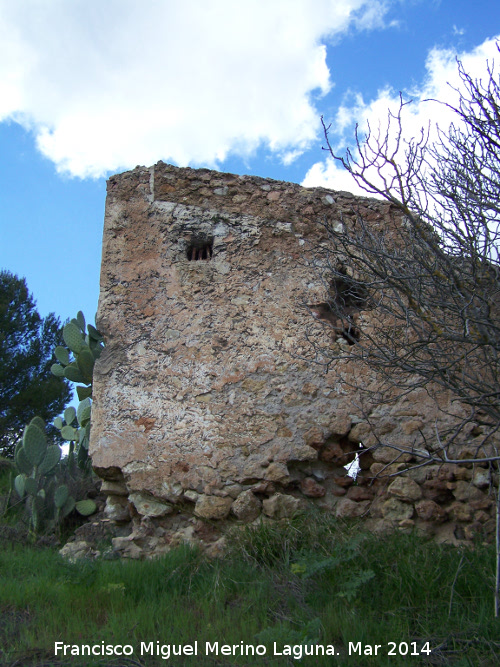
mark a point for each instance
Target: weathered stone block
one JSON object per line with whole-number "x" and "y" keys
{"x": 437, "y": 490}
{"x": 277, "y": 472}
{"x": 114, "y": 488}
{"x": 463, "y": 473}
{"x": 396, "y": 510}
{"x": 390, "y": 455}
{"x": 146, "y": 505}
{"x": 127, "y": 548}
{"x": 335, "y": 453}
{"x": 349, "y": 509}
{"x": 344, "y": 480}
{"x": 481, "y": 478}
{"x": 405, "y": 489}
{"x": 247, "y": 507}
{"x": 281, "y": 506}
{"x": 310, "y": 488}
{"x": 419, "y": 475}
{"x": 428, "y": 510}
{"x": 117, "y": 508}
{"x": 358, "y": 493}
{"x": 473, "y": 530}
{"x": 460, "y": 512}
{"x": 481, "y": 516}
{"x": 360, "y": 433}
{"x": 77, "y": 550}
{"x": 314, "y": 437}
{"x": 213, "y": 507}
{"x": 340, "y": 423}
{"x": 466, "y": 491}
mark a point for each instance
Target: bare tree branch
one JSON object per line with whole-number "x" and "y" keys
{"x": 417, "y": 297}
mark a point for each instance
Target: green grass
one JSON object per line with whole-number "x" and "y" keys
{"x": 313, "y": 580}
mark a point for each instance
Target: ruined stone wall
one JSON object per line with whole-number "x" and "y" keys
{"x": 206, "y": 401}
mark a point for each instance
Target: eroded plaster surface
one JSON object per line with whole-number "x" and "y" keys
{"x": 207, "y": 396}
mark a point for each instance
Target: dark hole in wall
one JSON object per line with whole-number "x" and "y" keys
{"x": 200, "y": 249}
{"x": 347, "y": 298}
{"x": 342, "y": 325}
{"x": 348, "y": 295}
{"x": 351, "y": 334}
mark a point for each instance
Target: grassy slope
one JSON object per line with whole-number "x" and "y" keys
{"x": 311, "y": 580}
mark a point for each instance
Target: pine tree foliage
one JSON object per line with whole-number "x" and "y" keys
{"x": 27, "y": 341}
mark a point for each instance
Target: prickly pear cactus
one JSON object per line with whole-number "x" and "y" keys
{"x": 37, "y": 462}
{"x": 76, "y": 363}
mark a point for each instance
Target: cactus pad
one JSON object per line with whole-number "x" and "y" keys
{"x": 19, "y": 485}
{"x": 83, "y": 412}
{"x": 69, "y": 415}
{"x": 34, "y": 443}
{"x": 86, "y": 507}
{"x": 73, "y": 337}
{"x": 30, "y": 486}
{"x": 93, "y": 333}
{"x": 38, "y": 421}
{"x": 61, "y": 496}
{"x": 23, "y": 463}
{"x": 57, "y": 370}
{"x": 69, "y": 433}
{"x": 51, "y": 459}
{"x": 84, "y": 392}
{"x": 73, "y": 373}
{"x": 86, "y": 364}
{"x": 62, "y": 355}
{"x": 80, "y": 318}
{"x": 68, "y": 506}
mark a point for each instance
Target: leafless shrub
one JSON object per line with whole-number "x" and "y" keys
{"x": 420, "y": 295}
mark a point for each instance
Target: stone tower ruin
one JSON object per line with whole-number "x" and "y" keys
{"x": 206, "y": 400}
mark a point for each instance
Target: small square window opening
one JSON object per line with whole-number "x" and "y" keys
{"x": 200, "y": 250}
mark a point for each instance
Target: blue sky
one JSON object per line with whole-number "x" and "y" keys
{"x": 88, "y": 89}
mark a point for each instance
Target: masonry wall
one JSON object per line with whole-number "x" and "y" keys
{"x": 207, "y": 400}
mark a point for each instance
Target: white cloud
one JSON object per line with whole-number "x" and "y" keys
{"x": 442, "y": 82}
{"x": 330, "y": 174}
{"x": 111, "y": 84}
{"x": 372, "y": 16}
